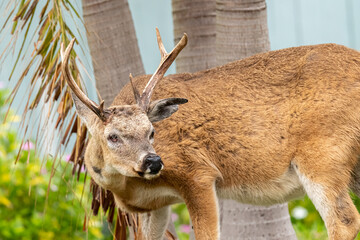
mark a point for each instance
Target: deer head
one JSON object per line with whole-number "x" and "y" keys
{"x": 124, "y": 135}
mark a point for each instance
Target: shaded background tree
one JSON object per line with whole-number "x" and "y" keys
{"x": 220, "y": 32}
{"x": 113, "y": 45}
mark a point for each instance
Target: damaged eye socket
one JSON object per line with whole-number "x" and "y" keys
{"x": 114, "y": 138}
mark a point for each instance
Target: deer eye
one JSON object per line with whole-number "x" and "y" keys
{"x": 114, "y": 138}
{"x": 152, "y": 134}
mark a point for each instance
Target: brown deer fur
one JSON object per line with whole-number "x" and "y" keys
{"x": 262, "y": 130}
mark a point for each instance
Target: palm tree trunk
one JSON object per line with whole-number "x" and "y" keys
{"x": 113, "y": 45}
{"x": 241, "y": 31}
{"x": 196, "y": 18}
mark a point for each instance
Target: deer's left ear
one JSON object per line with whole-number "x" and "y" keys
{"x": 164, "y": 108}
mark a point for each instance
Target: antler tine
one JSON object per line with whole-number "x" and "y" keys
{"x": 161, "y": 45}
{"x": 166, "y": 61}
{"x": 135, "y": 91}
{"x": 65, "y": 55}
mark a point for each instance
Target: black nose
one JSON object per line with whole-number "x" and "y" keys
{"x": 153, "y": 163}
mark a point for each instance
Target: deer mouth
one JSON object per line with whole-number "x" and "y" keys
{"x": 141, "y": 174}
{"x": 152, "y": 171}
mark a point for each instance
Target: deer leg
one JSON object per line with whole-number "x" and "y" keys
{"x": 332, "y": 201}
{"x": 153, "y": 224}
{"x": 202, "y": 204}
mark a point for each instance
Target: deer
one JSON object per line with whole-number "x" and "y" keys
{"x": 262, "y": 130}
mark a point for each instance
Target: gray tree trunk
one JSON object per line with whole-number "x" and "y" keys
{"x": 241, "y": 31}
{"x": 197, "y": 18}
{"x": 113, "y": 45}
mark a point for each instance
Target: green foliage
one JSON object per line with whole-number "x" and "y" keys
{"x": 181, "y": 219}
{"x": 312, "y": 226}
{"x": 26, "y": 210}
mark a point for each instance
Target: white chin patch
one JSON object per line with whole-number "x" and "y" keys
{"x": 149, "y": 176}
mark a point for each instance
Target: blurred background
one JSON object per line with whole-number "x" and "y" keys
{"x": 38, "y": 202}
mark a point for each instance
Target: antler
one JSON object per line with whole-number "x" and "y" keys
{"x": 97, "y": 109}
{"x": 166, "y": 60}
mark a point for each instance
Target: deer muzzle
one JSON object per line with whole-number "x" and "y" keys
{"x": 152, "y": 164}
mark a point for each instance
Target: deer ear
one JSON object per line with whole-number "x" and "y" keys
{"x": 84, "y": 112}
{"x": 164, "y": 108}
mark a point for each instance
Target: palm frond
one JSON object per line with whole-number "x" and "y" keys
{"x": 37, "y": 64}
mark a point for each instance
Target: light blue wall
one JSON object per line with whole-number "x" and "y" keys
{"x": 291, "y": 23}
{"x": 148, "y": 15}
{"x": 303, "y": 22}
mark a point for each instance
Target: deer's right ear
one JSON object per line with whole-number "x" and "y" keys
{"x": 84, "y": 112}
{"x": 164, "y": 108}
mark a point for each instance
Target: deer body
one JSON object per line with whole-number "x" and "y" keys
{"x": 262, "y": 130}
{"x": 249, "y": 120}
